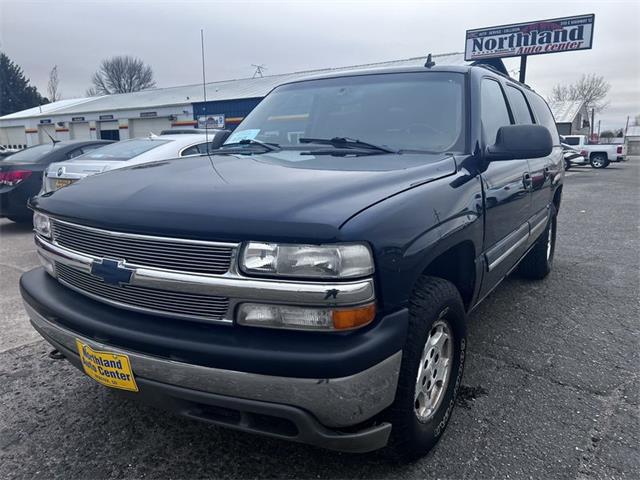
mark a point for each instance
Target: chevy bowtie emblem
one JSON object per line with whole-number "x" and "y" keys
{"x": 111, "y": 272}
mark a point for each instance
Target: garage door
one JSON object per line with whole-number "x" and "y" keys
{"x": 42, "y": 133}
{"x": 109, "y": 130}
{"x": 79, "y": 131}
{"x": 10, "y": 136}
{"x": 633, "y": 147}
{"x": 141, "y": 127}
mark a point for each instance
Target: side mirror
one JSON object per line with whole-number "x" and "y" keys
{"x": 515, "y": 142}
{"x": 220, "y": 137}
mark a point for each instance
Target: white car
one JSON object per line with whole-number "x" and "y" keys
{"x": 130, "y": 152}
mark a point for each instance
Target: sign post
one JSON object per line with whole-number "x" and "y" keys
{"x": 530, "y": 38}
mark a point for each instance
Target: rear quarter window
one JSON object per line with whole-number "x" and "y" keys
{"x": 543, "y": 116}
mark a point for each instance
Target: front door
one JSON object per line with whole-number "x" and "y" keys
{"x": 506, "y": 191}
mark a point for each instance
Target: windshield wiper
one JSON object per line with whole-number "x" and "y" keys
{"x": 270, "y": 147}
{"x": 346, "y": 142}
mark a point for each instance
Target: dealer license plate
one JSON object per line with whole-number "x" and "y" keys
{"x": 63, "y": 182}
{"x": 110, "y": 369}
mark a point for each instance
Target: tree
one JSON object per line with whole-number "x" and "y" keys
{"x": 121, "y": 74}
{"x": 52, "y": 87}
{"x": 607, "y": 134}
{"x": 15, "y": 92}
{"x": 591, "y": 88}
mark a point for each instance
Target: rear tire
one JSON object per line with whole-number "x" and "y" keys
{"x": 537, "y": 264}
{"x": 599, "y": 160}
{"x": 431, "y": 369}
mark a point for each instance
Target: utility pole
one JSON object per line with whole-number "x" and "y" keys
{"x": 593, "y": 115}
{"x": 626, "y": 127}
{"x": 523, "y": 68}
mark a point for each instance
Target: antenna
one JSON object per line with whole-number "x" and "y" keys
{"x": 204, "y": 93}
{"x": 52, "y": 139}
{"x": 259, "y": 69}
{"x": 429, "y": 63}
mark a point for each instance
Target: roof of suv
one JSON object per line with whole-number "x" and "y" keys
{"x": 412, "y": 69}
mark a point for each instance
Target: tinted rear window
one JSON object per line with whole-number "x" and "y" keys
{"x": 125, "y": 150}
{"x": 544, "y": 116}
{"x": 32, "y": 154}
{"x": 519, "y": 106}
{"x": 572, "y": 141}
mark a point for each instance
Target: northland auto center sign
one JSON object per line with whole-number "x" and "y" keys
{"x": 530, "y": 38}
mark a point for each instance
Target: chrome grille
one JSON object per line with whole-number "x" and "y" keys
{"x": 141, "y": 250}
{"x": 188, "y": 305}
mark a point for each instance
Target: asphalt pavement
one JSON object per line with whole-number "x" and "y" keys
{"x": 551, "y": 387}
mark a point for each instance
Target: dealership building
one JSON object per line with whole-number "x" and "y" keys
{"x": 128, "y": 115}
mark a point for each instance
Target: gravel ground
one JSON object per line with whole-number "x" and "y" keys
{"x": 551, "y": 388}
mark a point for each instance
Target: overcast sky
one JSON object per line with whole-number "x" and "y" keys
{"x": 292, "y": 36}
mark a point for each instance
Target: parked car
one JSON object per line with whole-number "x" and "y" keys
{"x": 311, "y": 279}
{"x": 21, "y": 173}
{"x": 572, "y": 156}
{"x": 599, "y": 155}
{"x": 126, "y": 153}
{"x": 7, "y": 151}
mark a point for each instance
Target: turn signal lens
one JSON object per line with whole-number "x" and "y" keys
{"x": 304, "y": 318}
{"x": 354, "y": 317}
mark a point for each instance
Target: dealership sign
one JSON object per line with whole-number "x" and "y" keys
{"x": 211, "y": 121}
{"x": 530, "y": 38}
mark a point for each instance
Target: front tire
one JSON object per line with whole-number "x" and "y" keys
{"x": 537, "y": 264}
{"x": 431, "y": 369}
{"x": 599, "y": 160}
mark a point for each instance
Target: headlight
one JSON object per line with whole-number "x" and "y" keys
{"x": 311, "y": 261}
{"x": 42, "y": 225}
{"x": 305, "y": 318}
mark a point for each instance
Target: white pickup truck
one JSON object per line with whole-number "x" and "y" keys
{"x": 599, "y": 155}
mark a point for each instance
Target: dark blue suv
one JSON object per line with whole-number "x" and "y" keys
{"x": 310, "y": 279}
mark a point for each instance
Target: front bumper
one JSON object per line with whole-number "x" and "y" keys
{"x": 327, "y": 387}
{"x": 295, "y": 409}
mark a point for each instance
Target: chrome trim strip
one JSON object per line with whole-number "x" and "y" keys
{"x": 147, "y": 237}
{"x": 232, "y": 285}
{"x": 518, "y": 237}
{"x": 541, "y": 224}
{"x": 336, "y": 402}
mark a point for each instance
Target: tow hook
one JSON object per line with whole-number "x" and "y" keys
{"x": 56, "y": 355}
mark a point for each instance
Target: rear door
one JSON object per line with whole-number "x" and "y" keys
{"x": 544, "y": 169}
{"x": 506, "y": 192}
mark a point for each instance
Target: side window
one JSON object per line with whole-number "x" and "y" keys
{"x": 192, "y": 150}
{"x": 519, "y": 107}
{"x": 75, "y": 153}
{"x": 495, "y": 113}
{"x": 88, "y": 148}
{"x": 544, "y": 116}
{"x": 203, "y": 147}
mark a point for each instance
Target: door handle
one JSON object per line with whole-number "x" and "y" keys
{"x": 526, "y": 180}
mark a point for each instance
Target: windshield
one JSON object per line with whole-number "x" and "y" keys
{"x": 125, "y": 150}
{"x": 32, "y": 154}
{"x": 402, "y": 111}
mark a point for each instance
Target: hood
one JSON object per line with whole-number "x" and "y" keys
{"x": 234, "y": 198}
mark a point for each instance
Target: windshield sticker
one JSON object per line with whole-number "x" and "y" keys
{"x": 250, "y": 134}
